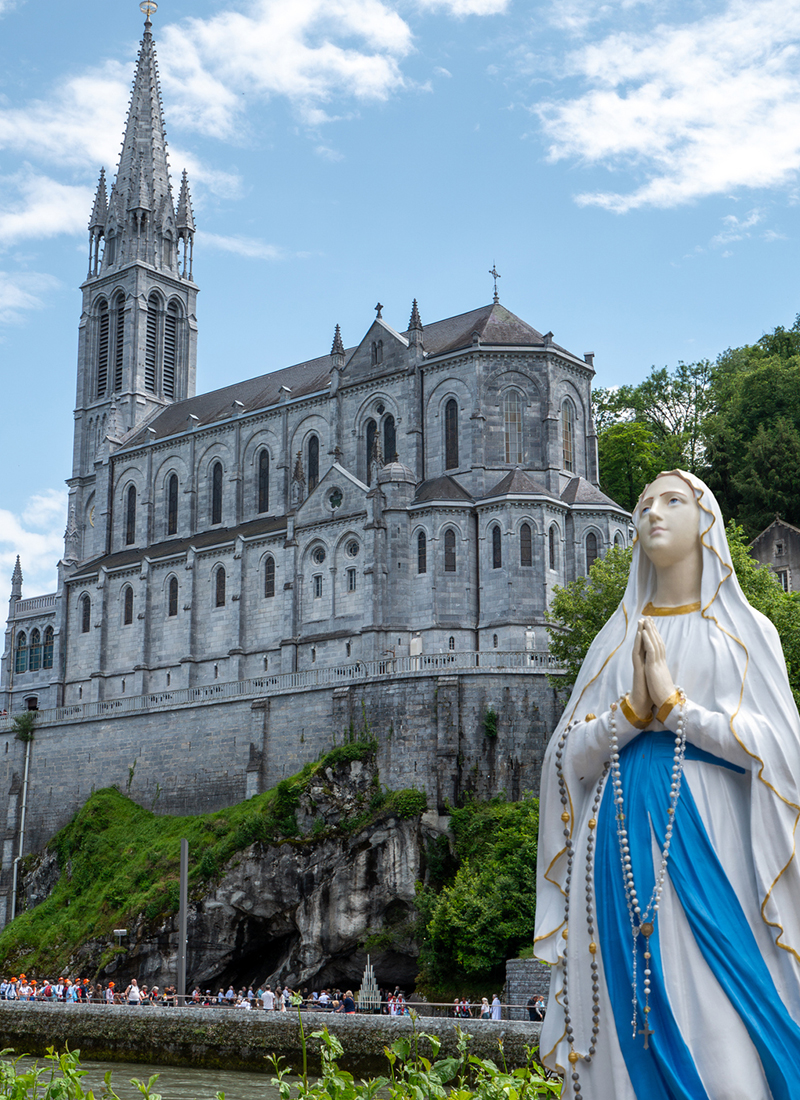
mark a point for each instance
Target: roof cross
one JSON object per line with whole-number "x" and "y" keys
{"x": 378, "y": 309}
{"x": 495, "y": 275}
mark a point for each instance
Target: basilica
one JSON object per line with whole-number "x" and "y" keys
{"x": 418, "y": 492}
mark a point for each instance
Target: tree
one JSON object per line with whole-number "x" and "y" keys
{"x": 581, "y": 608}
{"x": 629, "y": 458}
{"x": 486, "y": 913}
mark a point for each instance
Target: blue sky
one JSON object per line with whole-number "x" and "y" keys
{"x": 631, "y": 167}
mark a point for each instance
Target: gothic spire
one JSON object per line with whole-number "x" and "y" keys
{"x": 414, "y": 323}
{"x": 142, "y": 182}
{"x": 337, "y": 347}
{"x": 16, "y": 581}
{"x": 185, "y": 215}
{"x": 100, "y": 208}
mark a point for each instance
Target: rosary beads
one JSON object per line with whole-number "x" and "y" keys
{"x": 642, "y": 920}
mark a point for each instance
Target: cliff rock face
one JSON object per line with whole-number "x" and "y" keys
{"x": 304, "y": 911}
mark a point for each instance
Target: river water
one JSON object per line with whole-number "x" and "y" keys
{"x": 175, "y": 1082}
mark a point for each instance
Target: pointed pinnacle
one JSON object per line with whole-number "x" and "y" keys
{"x": 338, "y": 346}
{"x": 100, "y": 208}
{"x": 17, "y": 574}
{"x": 415, "y": 322}
{"x": 185, "y": 215}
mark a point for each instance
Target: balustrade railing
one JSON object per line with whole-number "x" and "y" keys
{"x": 35, "y": 603}
{"x": 279, "y": 682}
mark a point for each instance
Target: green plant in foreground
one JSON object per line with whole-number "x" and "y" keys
{"x": 413, "y": 1076}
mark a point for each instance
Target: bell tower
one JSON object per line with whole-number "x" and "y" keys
{"x": 137, "y": 347}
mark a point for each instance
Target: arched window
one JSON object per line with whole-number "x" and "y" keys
{"x": 170, "y": 349}
{"x": 219, "y": 587}
{"x": 269, "y": 577}
{"x": 151, "y": 344}
{"x": 263, "y": 481}
{"x": 172, "y": 597}
{"x": 313, "y": 462}
{"x": 497, "y": 548}
{"x": 35, "y": 652}
{"x": 451, "y": 434}
{"x": 128, "y": 598}
{"x": 618, "y": 542}
{"x": 512, "y": 422}
{"x": 377, "y": 352}
{"x": 451, "y": 642}
{"x": 47, "y": 651}
{"x": 568, "y": 436}
{"x": 130, "y": 515}
{"x": 119, "y": 340}
{"x": 172, "y": 504}
{"x": 216, "y": 493}
{"x": 372, "y": 431}
{"x": 552, "y": 547}
{"x": 86, "y": 614}
{"x": 495, "y": 641}
{"x": 591, "y": 550}
{"x": 389, "y": 440}
{"x": 422, "y": 553}
{"x": 450, "y": 550}
{"x": 525, "y": 546}
{"x": 21, "y": 662}
{"x": 102, "y": 348}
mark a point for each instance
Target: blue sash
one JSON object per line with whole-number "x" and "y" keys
{"x": 666, "y": 1071}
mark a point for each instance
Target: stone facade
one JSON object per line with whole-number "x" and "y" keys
{"x": 416, "y": 494}
{"x": 778, "y": 547}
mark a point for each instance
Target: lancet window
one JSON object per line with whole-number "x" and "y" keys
{"x": 269, "y": 577}
{"x": 151, "y": 344}
{"x": 47, "y": 649}
{"x": 216, "y": 493}
{"x": 525, "y": 546}
{"x": 86, "y": 614}
{"x": 128, "y": 601}
{"x": 313, "y": 462}
{"x": 21, "y": 655}
{"x": 552, "y": 547}
{"x": 119, "y": 340}
{"x": 450, "y": 550}
{"x": 371, "y": 433}
{"x": 451, "y": 435}
{"x": 35, "y": 651}
{"x": 170, "y": 349}
{"x": 497, "y": 548}
{"x": 172, "y": 504}
{"x": 389, "y": 439}
{"x": 568, "y": 436}
{"x": 422, "y": 553}
{"x": 263, "y": 481}
{"x": 591, "y": 550}
{"x": 102, "y": 348}
{"x": 512, "y": 423}
{"x": 219, "y": 587}
{"x": 172, "y": 597}
{"x": 130, "y": 515}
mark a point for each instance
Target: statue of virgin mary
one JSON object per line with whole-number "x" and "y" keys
{"x": 668, "y": 901}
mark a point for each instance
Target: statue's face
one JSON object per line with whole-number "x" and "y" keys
{"x": 668, "y": 521}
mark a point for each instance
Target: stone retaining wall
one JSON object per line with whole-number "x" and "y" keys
{"x": 524, "y": 977}
{"x": 232, "y": 1039}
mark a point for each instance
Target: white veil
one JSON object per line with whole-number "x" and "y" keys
{"x": 747, "y": 682}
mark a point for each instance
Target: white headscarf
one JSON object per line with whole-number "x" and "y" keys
{"x": 744, "y": 676}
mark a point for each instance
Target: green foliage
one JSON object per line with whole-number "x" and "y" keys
{"x": 415, "y": 1072}
{"x": 407, "y": 803}
{"x": 61, "y": 1078}
{"x": 630, "y": 457}
{"x": 486, "y": 913}
{"x": 23, "y": 725}
{"x": 490, "y": 722}
{"x": 582, "y": 607}
{"x": 118, "y": 860}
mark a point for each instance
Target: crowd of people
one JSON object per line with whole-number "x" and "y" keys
{"x": 249, "y": 998}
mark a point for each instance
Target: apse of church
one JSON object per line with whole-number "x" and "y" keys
{"x": 418, "y": 492}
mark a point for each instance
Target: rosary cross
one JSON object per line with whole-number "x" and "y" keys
{"x": 647, "y": 1031}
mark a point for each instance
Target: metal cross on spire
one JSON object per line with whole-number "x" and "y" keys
{"x": 148, "y": 8}
{"x": 495, "y": 275}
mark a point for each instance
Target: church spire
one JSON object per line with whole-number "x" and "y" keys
{"x": 185, "y": 218}
{"x": 140, "y": 224}
{"x": 100, "y": 208}
{"x": 16, "y": 581}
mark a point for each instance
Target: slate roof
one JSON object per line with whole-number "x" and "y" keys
{"x": 442, "y": 488}
{"x": 777, "y": 522}
{"x": 168, "y": 547}
{"x": 495, "y": 325}
{"x": 518, "y": 483}
{"x": 581, "y": 491}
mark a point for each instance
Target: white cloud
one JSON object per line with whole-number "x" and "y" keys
{"x": 735, "y": 229}
{"x": 577, "y": 15}
{"x": 771, "y": 235}
{"x": 309, "y": 51}
{"x": 250, "y": 247}
{"x": 696, "y": 109}
{"x": 37, "y": 535}
{"x": 21, "y": 292}
{"x": 36, "y": 206}
{"x": 467, "y": 7}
